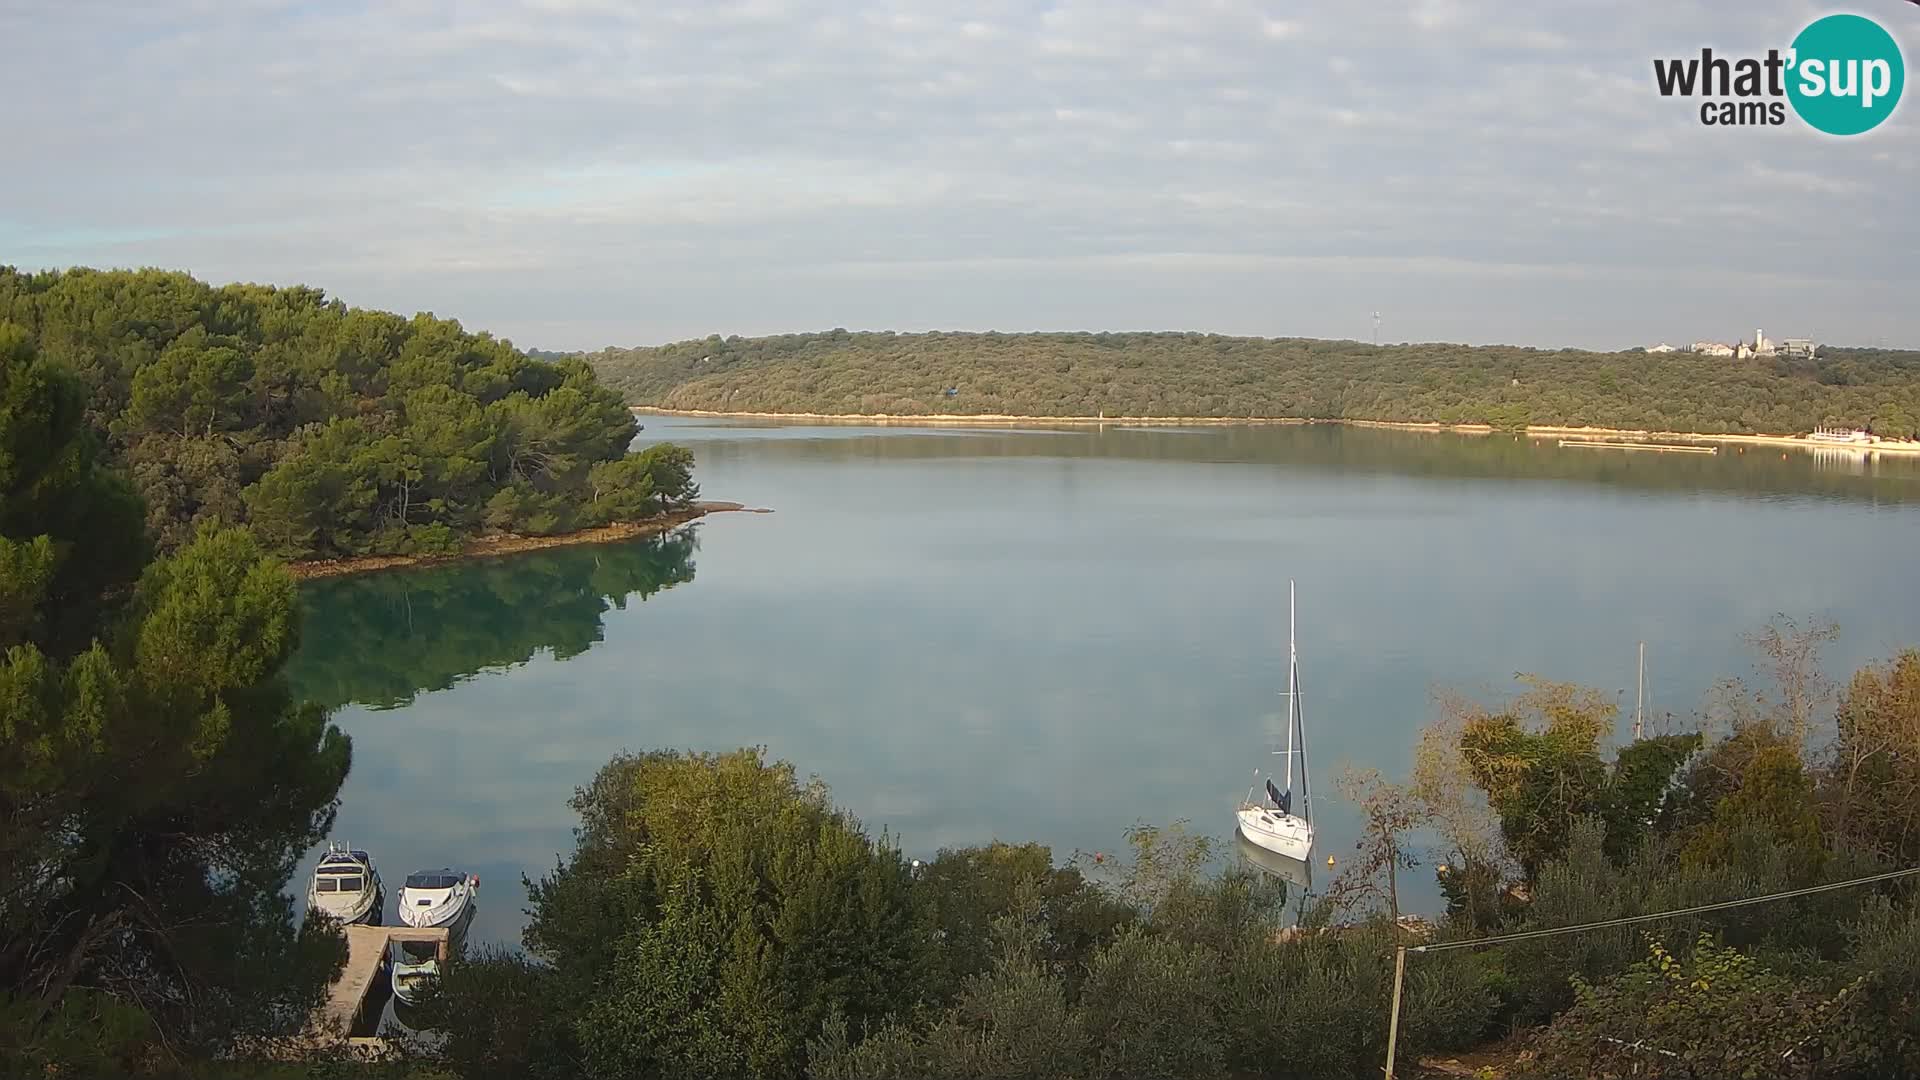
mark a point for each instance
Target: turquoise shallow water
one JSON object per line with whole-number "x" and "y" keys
{"x": 1051, "y": 635}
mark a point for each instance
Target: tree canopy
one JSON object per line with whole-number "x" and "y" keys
{"x": 330, "y": 430}
{"x": 157, "y": 779}
{"x": 720, "y": 917}
{"x": 1187, "y": 374}
{"x": 716, "y": 913}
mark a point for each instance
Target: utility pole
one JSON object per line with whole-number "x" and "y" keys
{"x": 1393, "y": 1025}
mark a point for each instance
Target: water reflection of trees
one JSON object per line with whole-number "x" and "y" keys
{"x": 1737, "y": 469}
{"x": 381, "y": 639}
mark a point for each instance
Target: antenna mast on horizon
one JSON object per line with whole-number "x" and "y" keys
{"x": 1376, "y": 328}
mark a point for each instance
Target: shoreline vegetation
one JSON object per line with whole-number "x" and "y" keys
{"x": 488, "y": 547}
{"x": 1157, "y": 961}
{"x": 1534, "y": 430}
{"x": 1196, "y": 377}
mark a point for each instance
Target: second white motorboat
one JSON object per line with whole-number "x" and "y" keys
{"x": 436, "y": 897}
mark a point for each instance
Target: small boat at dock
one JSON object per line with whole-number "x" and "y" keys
{"x": 346, "y": 885}
{"x": 415, "y": 965}
{"x": 437, "y": 897}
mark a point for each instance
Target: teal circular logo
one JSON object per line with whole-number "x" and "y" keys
{"x": 1846, "y": 75}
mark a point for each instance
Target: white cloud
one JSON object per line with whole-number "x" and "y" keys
{"x": 527, "y": 164}
{"x": 1434, "y": 14}
{"x": 1804, "y": 180}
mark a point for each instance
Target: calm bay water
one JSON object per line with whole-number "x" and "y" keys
{"x": 1053, "y": 634}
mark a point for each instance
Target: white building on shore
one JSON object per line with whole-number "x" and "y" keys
{"x": 1761, "y": 345}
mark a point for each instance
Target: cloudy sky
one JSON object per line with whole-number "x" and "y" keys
{"x": 577, "y": 173}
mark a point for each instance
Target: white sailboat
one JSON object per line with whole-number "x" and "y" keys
{"x": 1276, "y": 827}
{"x": 1297, "y": 873}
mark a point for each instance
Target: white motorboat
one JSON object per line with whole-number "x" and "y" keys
{"x": 346, "y": 886}
{"x": 436, "y": 897}
{"x": 1276, "y": 827}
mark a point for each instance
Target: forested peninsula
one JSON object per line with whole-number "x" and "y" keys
{"x": 331, "y": 432}
{"x": 1209, "y": 375}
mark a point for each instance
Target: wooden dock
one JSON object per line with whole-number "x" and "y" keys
{"x": 349, "y": 1019}
{"x": 362, "y": 980}
{"x": 1664, "y": 448}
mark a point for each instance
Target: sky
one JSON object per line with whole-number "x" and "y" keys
{"x": 583, "y": 173}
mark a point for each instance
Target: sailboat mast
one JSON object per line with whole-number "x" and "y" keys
{"x": 1299, "y": 715}
{"x": 1292, "y": 688}
{"x": 1640, "y": 698}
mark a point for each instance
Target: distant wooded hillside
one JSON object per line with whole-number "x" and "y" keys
{"x": 1173, "y": 374}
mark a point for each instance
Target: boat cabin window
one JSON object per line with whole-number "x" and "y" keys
{"x": 325, "y": 884}
{"x": 432, "y": 881}
{"x": 348, "y": 884}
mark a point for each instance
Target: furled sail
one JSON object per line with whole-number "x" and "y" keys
{"x": 1281, "y": 799}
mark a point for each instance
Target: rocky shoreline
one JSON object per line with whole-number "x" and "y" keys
{"x": 513, "y": 543}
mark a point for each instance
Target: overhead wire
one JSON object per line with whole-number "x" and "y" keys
{"x": 1628, "y": 920}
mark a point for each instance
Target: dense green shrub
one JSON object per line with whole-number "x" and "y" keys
{"x": 1709, "y": 1012}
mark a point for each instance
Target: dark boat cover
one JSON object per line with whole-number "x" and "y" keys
{"x": 1281, "y": 799}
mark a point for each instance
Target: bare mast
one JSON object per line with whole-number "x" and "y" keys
{"x": 1299, "y": 717}
{"x": 1640, "y": 698}
{"x": 1292, "y": 686}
